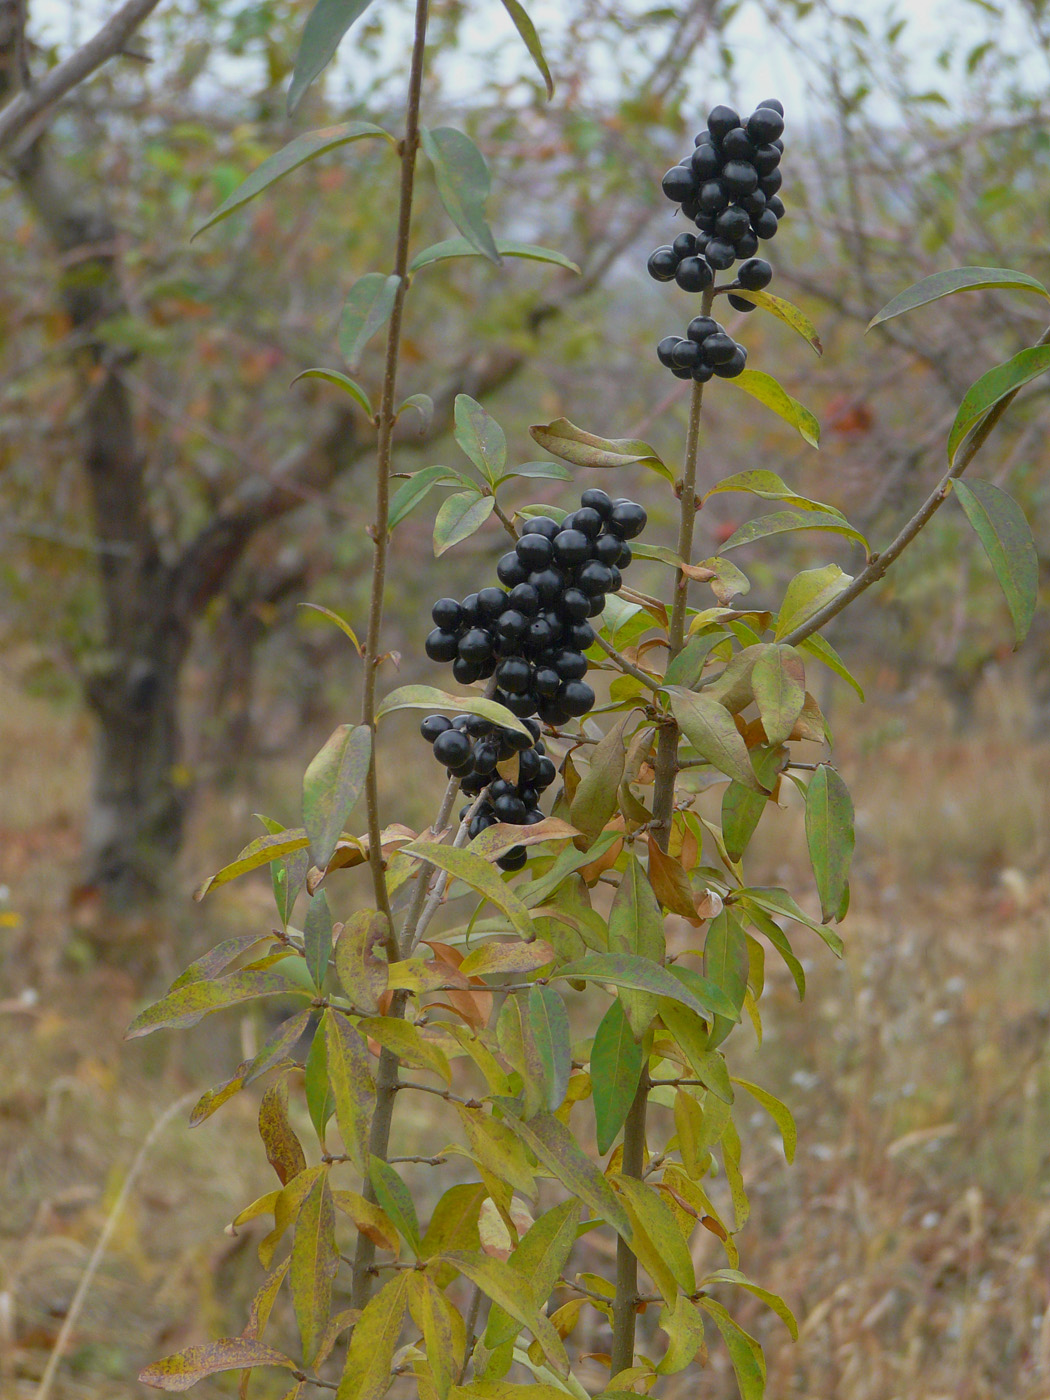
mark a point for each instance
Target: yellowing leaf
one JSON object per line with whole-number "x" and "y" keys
{"x": 185, "y": 1368}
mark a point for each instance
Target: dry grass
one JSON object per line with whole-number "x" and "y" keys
{"x": 912, "y": 1235}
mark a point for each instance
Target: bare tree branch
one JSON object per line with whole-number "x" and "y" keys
{"x": 109, "y": 40}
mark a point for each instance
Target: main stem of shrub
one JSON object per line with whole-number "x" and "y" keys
{"x": 626, "y": 1301}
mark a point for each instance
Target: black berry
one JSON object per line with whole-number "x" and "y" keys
{"x": 572, "y": 547}
{"x": 694, "y": 274}
{"x": 452, "y": 748}
{"x": 664, "y": 349}
{"x": 628, "y": 519}
{"x": 729, "y": 369}
{"x": 576, "y": 697}
{"x": 535, "y": 551}
{"x": 541, "y": 525}
{"x": 596, "y": 499}
{"x": 511, "y": 571}
{"x": 447, "y": 615}
{"x": 754, "y": 274}
{"x": 720, "y": 255}
{"x": 721, "y": 121}
{"x": 441, "y": 645}
{"x": 662, "y": 264}
{"x": 515, "y": 675}
{"x": 524, "y": 599}
{"x": 434, "y": 725}
{"x": 764, "y": 124}
{"x": 678, "y": 184}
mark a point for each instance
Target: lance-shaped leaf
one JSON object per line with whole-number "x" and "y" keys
{"x": 549, "y": 1022}
{"x": 265, "y": 1296}
{"x": 994, "y": 386}
{"x": 368, "y": 306}
{"x": 507, "y": 957}
{"x": 433, "y": 1315}
{"x": 783, "y": 521}
{"x": 396, "y": 1200}
{"x": 563, "y": 439}
{"x": 495, "y": 1147}
{"x": 370, "y": 1355}
{"x": 742, "y": 810}
{"x": 785, "y": 311}
{"x": 540, "y": 1257}
{"x": 685, "y": 1331}
{"x": 779, "y": 1112}
{"x": 776, "y": 935}
{"x": 597, "y": 797}
{"x": 556, "y": 1149}
{"x": 781, "y": 904}
{"x": 957, "y": 279}
{"x": 806, "y": 594}
{"x": 191, "y": 1003}
{"x": 779, "y": 683}
{"x": 283, "y": 1149}
{"x": 259, "y": 852}
{"x": 428, "y": 697}
{"x": 1001, "y": 527}
{"x": 711, "y": 730}
{"x": 370, "y": 1220}
{"x": 525, "y": 27}
{"x": 317, "y": 938}
{"x": 641, "y": 975}
{"x": 418, "y": 486}
{"x": 829, "y": 835}
{"x": 185, "y": 1368}
{"x": 509, "y": 1288}
{"x": 766, "y": 390}
{"x": 320, "y": 1103}
{"x": 340, "y": 622}
{"x": 616, "y": 1067}
{"x": 772, "y": 1300}
{"x": 506, "y": 247}
{"x": 819, "y": 646}
{"x": 407, "y": 1043}
{"x": 329, "y": 20}
{"x": 211, "y": 963}
{"x": 479, "y": 875}
{"x": 459, "y": 517}
{"x": 658, "y": 1223}
{"x": 314, "y": 1263}
{"x": 726, "y": 965}
{"x": 341, "y": 381}
{"x": 480, "y": 437}
{"x": 350, "y": 1077}
{"x": 302, "y": 149}
{"x": 360, "y": 969}
{"x": 462, "y": 179}
{"x": 333, "y": 782}
{"x": 744, "y": 1352}
{"x": 636, "y": 926}
{"x": 691, "y": 1036}
{"x": 541, "y": 471}
{"x": 769, "y": 487}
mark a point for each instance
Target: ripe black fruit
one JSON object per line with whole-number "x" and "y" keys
{"x": 452, "y": 748}
{"x": 540, "y": 637}
{"x": 434, "y": 725}
{"x": 466, "y": 672}
{"x": 573, "y": 604}
{"x": 477, "y": 726}
{"x": 547, "y": 682}
{"x": 684, "y": 245}
{"x": 754, "y": 274}
{"x": 588, "y": 521}
{"x": 662, "y": 263}
{"x": 521, "y": 705}
{"x": 571, "y": 547}
{"x": 739, "y": 304}
{"x": 486, "y": 756}
{"x": 441, "y": 645}
{"x": 774, "y": 103}
{"x": 731, "y": 223}
{"x": 679, "y": 183}
{"x": 739, "y": 177}
{"x": 705, "y": 163}
{"x": 475, "y": 646}
{"x": 576, "y": 697}
{"x": 718, "y": 349}
{"x": 766, "y": 159}
{"x": 720, "y": 255}
{"x": 447, "y": 615}
{"x": 628, "y": 519}
{"x": 491, "y": 602}
{"x": 686, "y": 353}
{"x": 729, "y": 369}
{"x": 702, "y": 373}
{"x": 516, "y": 858}
{"x": 736, "y": 145}
{"x": 511, "y": 571}
{"x": 549, "y": 584}
{"x": 594, "y": 498}
{"x": 776, "y": 206}
{"x": 664, "y": 349}
{"x": 714, "y": 198}
{"x": 770, "y": 184}
{"x": 680, "y": 373}
{"x": 535, "y": 551}
{"x": 509, "y": 809}
{"x": 700, "y": 327}
{"x": 764, "y": 124}
{"x": 765, "y": 225}
{"x": 515, "y": 675}
{"x": 581, "y": 635}
{"x": 606, "y": 549}
{"x": 720, "y": 122}
{"x": 747, "y": 245}
{"x": 694, "y": 275}
{"x": 541, "y": 525}
{"x": 470, "y": 610}
{"x": 593, "y": 578}
{"x": 511, "y": 626}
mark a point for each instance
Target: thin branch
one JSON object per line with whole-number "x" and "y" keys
{"x": 626, "y": 666}
{"x": 109, "y": 41}
{"x": 445, "y": 1094}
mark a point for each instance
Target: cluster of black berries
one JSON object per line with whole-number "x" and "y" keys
{"x": 471, "y": 748}
{"x": 532, "y": 637}
{"x": 706, "y": 350}
{"x": 728, "y": 188}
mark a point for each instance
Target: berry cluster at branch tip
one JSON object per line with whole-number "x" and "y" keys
{"x": 729, "y": 187}
{"x": 474, "y": 750}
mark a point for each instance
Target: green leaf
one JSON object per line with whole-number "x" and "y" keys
{"x": 428, "y": 697}
{"x": 769, "y": 487}
{"x": 540, "y": 1257}
{"x": 999, "y": 383}
{"x": 507, "y": 957}
{"x": 480, "y": 437}
{"x": 432, "y": 1314}
{"x": 1001, "y": 527}
{"x": 459, "y": 517}
{"x": 329, "y": 20}
{"x": 641, "y": 975}
{"x": 348, "y": 386}
{"x": 785, "y": 311}
{"x": 187, "y": 1005}
{"x": 779, "y": 1112}
{"x": 779, "y": 903}
{"x": 217, "y": 959}
{"x": 819, "y": 646}
{"x": 407, "y": 1043}
{"x": 353, "y": 1089}
{"x": 550, "y": 1031}
{"x": 361, "y": 971}
{"x": 657, "y": 1221}
{"x": 479, "y": 875}
{"x": 691, "y": 1035}
{"x": 744, "y": 1352}
{"x": 506, "y": 1286}
{"x": 776, "y": 935}
{"x": 279, "y": 1043}
{"x": 395, "y": 1198}
{"x": 742, "y": 810}
{"x": 616, "y": 1067}
{"x": 540, "y": 471}
{"x": 370, "y": 1355}
{"x": 317, "y": 938}
{"x": 304, "y": 148}
{"x": 806, "y": 594}
{"x": 829, "y": 835}
{"x": 771, "y": 1300}
{"x": 636, "y": 926}
{"x": 368, "y": 306}
{"x": 423, "y": 405}
{"x": 685, "y": 668}
{"x": 320, "y": 1103}
{"x": 463, "y": 184}
{"x": 726, "y": 966}
{"x": 506, "y": 247}
{"x": 597, "y": 797}
{"x": 340, "y": 622}
{"x": 784, "y": 520}
{"x": 261, "y": 851}
{"x": 766, "y": 390}
{"x": 411, "y": 492}
{"x": 712, "y": 732}
{"x": 563, "y": 439}
{"x": 332, "y": 784}
{"x": 556, "y": 1148}
{"x": 525, "y": 27}
{"x": 314, "y": 1263}
{"x": 957, "y": 279}
{"x": 685, "y": 1330}
{"x": 779, "y": 682}
{"x": 185, "y": 1368}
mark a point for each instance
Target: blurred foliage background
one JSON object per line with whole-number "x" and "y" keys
{"x": 167, "y": 501}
